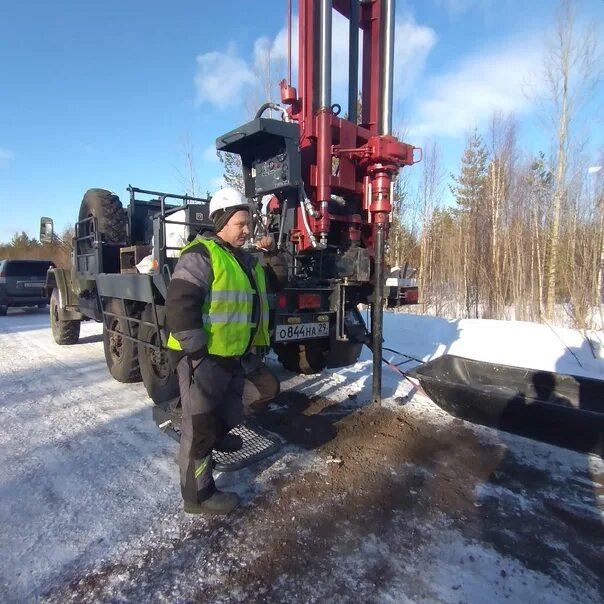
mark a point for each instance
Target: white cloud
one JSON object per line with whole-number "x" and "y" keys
{"x": 209, "y": 154}
{"x": 5, "y": 155}
{"x": 221, "y": 77}
{"x": 226, "y": 74}
{"x": 218, "y": 182}
{"x": 279, "y": 47}
{"x": 482, "y": 83}
{"x": 262, "y": 48}
{"x": 412, "y": 45}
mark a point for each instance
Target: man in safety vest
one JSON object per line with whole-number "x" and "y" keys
{"x": 217, "y": 313}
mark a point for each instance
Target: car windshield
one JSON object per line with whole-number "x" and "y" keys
{"x": 27, "y": 268}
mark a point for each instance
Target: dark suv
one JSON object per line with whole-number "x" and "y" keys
{"x": 22, "y": 283}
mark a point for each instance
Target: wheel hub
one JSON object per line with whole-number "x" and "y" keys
{"x": 158, "y": 360}
{"x": 116, "y": 342}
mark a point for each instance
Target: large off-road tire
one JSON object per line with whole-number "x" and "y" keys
{"x": 111, "y": 218}
{"x": 343, "y": 354}
{"x": 159, "y": 378}
{"x": 305, "y": 358}
{"x": 64, "y": 332}
{"x": 121, "y": 353}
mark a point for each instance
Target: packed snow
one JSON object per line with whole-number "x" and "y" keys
{"x": 88, "y": 482}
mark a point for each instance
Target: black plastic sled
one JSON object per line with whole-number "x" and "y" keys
{"x": 564, "y": 410}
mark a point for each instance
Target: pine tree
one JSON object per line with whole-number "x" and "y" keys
{"x": 470, "y": 194}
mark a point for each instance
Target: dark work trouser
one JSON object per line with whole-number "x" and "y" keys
{"x": 259, "y": 389}
{"x": 215, "y": 398}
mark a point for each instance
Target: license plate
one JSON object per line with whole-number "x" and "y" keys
{"x": 301, "y": 331}
{"x": 39, "y": 285}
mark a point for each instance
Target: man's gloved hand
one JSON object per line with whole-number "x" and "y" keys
{"x": 266, "y": 243}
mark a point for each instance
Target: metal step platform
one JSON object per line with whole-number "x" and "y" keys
{"x": 258, "y": 443}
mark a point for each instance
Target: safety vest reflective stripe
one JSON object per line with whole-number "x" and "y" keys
{"x": 228, "y": 317}
{"x": 228, "y": 308}
{"x": 231, "y": 295}
{"x": 201, "y": 467}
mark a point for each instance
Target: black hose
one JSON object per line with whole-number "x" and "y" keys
{"x": 367, "y": 342}
{"x": 266, "y": 106}
{"x": 394, "y": 367}
{"x": 407, "y": 356}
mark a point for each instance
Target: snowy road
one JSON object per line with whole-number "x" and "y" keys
{"x": 407, "y": 505}
{"x": 83, "y": 470}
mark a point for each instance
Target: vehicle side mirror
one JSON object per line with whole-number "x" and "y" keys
{"x": 46, "y": 230}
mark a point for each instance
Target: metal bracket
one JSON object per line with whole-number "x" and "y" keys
{"x": 341, "y": 335}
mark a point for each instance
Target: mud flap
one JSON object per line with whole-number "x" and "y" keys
{"x": 560, "y": 409}
{"x": 258, "y": 443}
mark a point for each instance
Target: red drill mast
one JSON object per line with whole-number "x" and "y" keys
{"x": 365, "y": 155}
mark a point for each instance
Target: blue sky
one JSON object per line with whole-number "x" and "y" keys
{"x": 104, "y": 94}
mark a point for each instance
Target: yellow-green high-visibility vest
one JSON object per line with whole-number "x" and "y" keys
{"x": 227, "y": 309}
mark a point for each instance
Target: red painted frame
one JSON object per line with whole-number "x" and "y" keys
{"x": 368, "y": 161}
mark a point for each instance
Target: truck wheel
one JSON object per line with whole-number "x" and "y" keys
{"x": 343, "y": 354}
{"x": 64, "y": 332}
{"x": 109, "y": 213}
{"x": 120, "y": 353}
{"x": 3, "y": 310}
{"x": 306, "y": 358}
{"x": 159, "y": 378}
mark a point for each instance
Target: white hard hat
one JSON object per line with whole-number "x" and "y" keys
{"x": 227, "y": 198}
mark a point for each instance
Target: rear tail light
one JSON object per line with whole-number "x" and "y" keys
{"x": 411, "y": 295}
{"x": 309, "y": 301}
{"x": 281, "y": 301}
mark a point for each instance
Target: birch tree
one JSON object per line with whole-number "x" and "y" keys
{"x": 430, "y": 192}
{"x": 571, "y": 69}
{"x": 187, "y": 175}
{"x": 502, "y": 136}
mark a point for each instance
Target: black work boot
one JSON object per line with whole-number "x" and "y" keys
{"x": 229, "y": 443}
{"x": 219, "y": 502}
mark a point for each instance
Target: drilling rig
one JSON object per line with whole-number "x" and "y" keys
{"x": 331, "y": 178}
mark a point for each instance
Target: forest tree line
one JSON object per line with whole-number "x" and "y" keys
{"x": 23, "y": 247}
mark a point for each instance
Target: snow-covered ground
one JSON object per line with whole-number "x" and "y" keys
{"x": 90, "y": 505}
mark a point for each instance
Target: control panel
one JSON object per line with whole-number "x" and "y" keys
{"x": 271, "y": 174}
{"x": 270, "y": 156}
